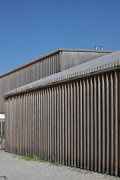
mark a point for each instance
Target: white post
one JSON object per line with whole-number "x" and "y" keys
{"x": 0, "y": 127}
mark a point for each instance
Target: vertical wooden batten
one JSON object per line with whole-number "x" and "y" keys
{"x": 75, "y": 122}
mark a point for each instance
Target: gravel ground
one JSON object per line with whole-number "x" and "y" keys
{"x": 15, "y": 168}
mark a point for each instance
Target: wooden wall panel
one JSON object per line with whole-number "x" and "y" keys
{"x": 119, "y": 123}
{"x": 46, "y": 66}
{"x": 103, "y": 125}
{"x": 71, "y": 59}
{"x": 76, "y": 123}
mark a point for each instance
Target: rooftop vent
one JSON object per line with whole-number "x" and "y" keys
{"x": 96, "y": 48}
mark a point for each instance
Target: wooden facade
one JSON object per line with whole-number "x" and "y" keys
{"x": 51, "y": 63}
{"x": 76, "y": 121}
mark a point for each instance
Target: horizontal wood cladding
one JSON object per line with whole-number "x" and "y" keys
{"x": 76, "y": 122}
{"x": 54, "y": 63}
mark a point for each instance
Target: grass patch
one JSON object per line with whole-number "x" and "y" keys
{"x": 85, "y": 172}
{"x": 79, "y": 170}
{"x": 35, "y": 158}
{"x": 27, "y": 158}
{"x": 15, "y": 156}
{"x": 54, "y": 163}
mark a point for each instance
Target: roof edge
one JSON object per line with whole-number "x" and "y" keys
{"x": 77, "y": 75}
{"x": 52, "y": 53}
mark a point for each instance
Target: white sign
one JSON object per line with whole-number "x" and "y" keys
{"x": 2, "y": 116}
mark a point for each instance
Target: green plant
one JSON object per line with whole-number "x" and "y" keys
{"x": 27, "y": 158}
{"x": 53, "y": 159}
{"x": 53, "y": 162}
{"x": 116, "y": 175}
{"x": 35, "y": 158}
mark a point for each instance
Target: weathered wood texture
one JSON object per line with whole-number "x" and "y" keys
{"x": 77, "y": 122}
{"x": 42, "y": 67}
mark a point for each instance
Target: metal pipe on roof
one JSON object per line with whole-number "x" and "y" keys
{"x": 96, "y": 48}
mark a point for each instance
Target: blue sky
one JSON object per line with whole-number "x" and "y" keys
{"x": 32, "y": 28}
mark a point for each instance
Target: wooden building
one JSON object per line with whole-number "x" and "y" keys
{"x": 51, "y": 63}
{"x": 73, "y": 116}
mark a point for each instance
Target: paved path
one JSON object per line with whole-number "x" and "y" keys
{"x": 18, "y": 169}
